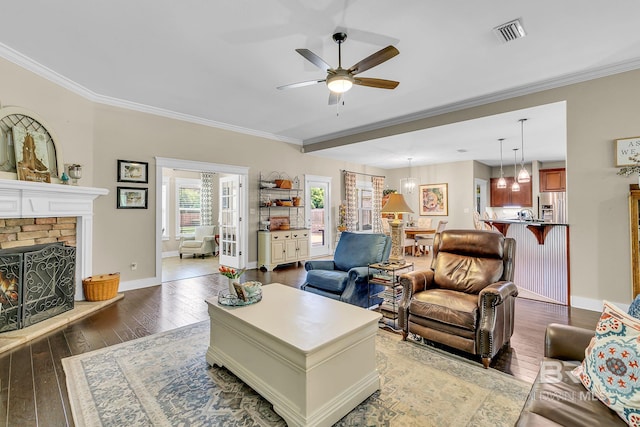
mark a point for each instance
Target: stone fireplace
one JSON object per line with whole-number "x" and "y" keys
{"x": 34, "y": 213}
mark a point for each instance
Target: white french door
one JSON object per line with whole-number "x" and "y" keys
{"x": 317, "y": 213}
{"x": 230, "y": 248}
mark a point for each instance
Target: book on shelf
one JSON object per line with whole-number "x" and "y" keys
{"x": 388, "y": 313}
{"x": 382, "y": 277}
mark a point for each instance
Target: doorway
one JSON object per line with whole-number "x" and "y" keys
{"x": 480, "y": 195}
{"x": 318, "y": 210}
{"x": 236, "y": 207}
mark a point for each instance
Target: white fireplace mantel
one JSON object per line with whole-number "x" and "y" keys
{"x": 24, "y": 199}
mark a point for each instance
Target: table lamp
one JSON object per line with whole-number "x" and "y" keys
{"x": 395, "y": 205}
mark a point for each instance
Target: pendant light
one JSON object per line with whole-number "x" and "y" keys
{"x": 523, "y": 175}
{"x": 408, "y": 185}
{"x": 515, "y": 186}
{"x": 502, "y": 183}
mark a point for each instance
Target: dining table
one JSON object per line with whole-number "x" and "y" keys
{"x": 410, "y": 233}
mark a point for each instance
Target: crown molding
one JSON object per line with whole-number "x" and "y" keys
{"x": 306, "y": 145}
{"x": 29, "y": 64}
{"x": 565, "y": 80}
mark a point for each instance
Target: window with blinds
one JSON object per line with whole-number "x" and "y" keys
{"x": 365, "y": 206}
{"x": 188, "y": 206}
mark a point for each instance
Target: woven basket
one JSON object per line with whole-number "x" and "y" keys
{"x": 101, "y": 287}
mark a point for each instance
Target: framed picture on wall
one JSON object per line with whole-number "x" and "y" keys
{"x": 130, "y": 171}
{"x": 132, "y": 198}
{"x": 434, "y": 199}
{"x": 625, "y": 149}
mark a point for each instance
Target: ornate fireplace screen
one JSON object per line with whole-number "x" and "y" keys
{"x": 36, "y": 283}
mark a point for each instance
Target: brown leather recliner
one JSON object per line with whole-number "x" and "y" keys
{"x": 467, "y": 299}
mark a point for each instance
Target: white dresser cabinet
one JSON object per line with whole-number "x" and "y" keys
{"x": 282, "y": 247}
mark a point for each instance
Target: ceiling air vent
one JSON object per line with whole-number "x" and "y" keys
{"x": 510, "y": 31}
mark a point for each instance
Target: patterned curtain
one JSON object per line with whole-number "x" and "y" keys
{"x": 206, "y": 198}
{"x": 378, "y": 186}
{"x": 351, "y": 199}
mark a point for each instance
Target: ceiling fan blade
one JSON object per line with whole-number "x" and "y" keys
{"x": 334, "y": 98}
{"x": 376, "y": 59}
{"x": 379, "y": 83}
{"x": 314, "y": 59}
{"x": 300, "y": 84}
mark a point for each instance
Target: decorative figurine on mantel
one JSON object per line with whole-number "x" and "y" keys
{"x": 64, "y": 178}
{"x": 75, "y": 172}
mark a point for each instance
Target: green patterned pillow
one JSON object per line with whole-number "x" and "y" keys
{"x": 611, "y": 367}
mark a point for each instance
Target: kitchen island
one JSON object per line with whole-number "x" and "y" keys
{"x": 542, "y": 257}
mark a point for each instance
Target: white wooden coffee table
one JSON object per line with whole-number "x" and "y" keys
{"x": 312, "y": 357}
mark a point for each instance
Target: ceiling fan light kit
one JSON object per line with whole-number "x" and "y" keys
{"x": 339, "y": 80}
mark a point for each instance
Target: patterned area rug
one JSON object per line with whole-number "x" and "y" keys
{"x": 164, "y": 380}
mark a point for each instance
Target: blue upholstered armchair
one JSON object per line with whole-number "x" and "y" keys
{"x": 345, "y": 277}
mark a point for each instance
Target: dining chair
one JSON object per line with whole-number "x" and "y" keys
{"x": 477, "y": 224}
{"x": 487, "y": 226}
{"x": 426, "y": 240}
{"x": 424, "y": 222}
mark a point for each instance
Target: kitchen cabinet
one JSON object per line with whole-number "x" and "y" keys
{"x": 634, "y": 215}
{"x": 553, "y": 180}
{"x": 504, "y": 197}
{"x": 282, "y": 247}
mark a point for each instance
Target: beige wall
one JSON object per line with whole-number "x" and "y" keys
{"x": 131, "y": 135}
{"x": 69, "y": 115}
{"x": 96, "y": 136}
{"x": 598, "y": 112}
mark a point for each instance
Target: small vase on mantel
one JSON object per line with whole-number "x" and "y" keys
{"x": 232, "y": 289}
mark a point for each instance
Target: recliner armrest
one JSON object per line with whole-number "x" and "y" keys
{"x": 415, "y": 281}
{"x": 358, "y": 273}
{"x": 319, "y": 265}
{"x": 498, "y": 292}
{"x": 566, "y": 342}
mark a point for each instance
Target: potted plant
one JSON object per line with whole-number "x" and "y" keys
{"x": 630, "y": 170}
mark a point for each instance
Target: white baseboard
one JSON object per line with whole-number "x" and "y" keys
{"x": 170, "y": 254}
{"x": 138, "y": 284}
{"x": 594, "y": 304}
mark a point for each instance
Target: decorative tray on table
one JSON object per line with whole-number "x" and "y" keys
{"x": 225, "y": 298}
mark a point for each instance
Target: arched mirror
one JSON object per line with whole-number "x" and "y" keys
{"x": 23, "y": 133}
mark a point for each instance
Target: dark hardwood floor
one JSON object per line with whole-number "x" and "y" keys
{"x": 32, "y": 383}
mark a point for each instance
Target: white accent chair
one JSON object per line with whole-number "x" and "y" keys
{"x": 202, "y": 243}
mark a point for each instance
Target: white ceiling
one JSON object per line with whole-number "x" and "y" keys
{"x": 219, "y": 63}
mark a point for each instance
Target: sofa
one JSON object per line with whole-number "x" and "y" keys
{"x": 557, "y": 398}
{"x": 345, "y": 277}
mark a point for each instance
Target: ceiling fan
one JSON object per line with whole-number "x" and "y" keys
{"x": 340, "y": 80}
